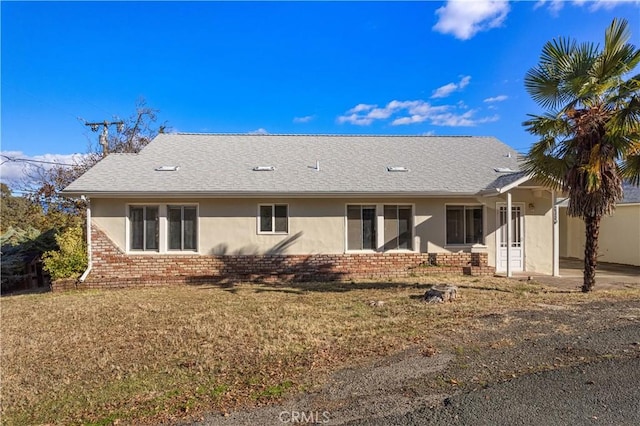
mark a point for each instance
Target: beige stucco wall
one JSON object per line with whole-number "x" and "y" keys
{"x": 619, "y": 240}
{"x": 318, "y": 225}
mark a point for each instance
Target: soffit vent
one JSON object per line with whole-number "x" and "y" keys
{"x": 263, "y": 168}
{"x": 397, "y": 169}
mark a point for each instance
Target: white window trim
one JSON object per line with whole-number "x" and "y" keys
{"x": 413, "y": 228}
{"x": 163, "y": 230}
{"x": 379, "y": 207}
{"x": 347, "y": 250}
{"x": 273, "y": 219}
{"x": 523, "y": 223}
{"x": 484, "y": 226}
{"x": 166, "y": 226}
{"x": 127, "y": 229}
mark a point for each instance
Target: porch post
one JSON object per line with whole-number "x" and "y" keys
{"x": 509, "y": 235}
{"x": 556, "y": 235}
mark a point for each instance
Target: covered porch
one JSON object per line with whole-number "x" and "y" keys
{"x": 527, "y": 233}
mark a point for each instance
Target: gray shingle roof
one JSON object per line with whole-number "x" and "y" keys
{"x": 631, "y": 194}
{"x": 215, "y": 164}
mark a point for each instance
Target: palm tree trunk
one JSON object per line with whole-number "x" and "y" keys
{"x": 590, "y": 252}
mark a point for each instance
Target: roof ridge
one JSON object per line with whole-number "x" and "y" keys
{"x": 328, "y": 135}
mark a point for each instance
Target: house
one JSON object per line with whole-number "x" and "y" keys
{"x": 21, "y": 266}
{"x": 619, "y": 238}
{"x": 198, "y": 207}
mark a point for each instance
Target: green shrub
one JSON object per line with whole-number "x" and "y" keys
{"x": 71, "y": 257}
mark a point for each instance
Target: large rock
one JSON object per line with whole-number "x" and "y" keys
{"x": 440, "y": 293}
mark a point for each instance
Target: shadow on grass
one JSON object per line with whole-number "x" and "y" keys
{"x": 37, "y": 290}
{"x": 485, "y": 288}
{"x": 319, "y": 286}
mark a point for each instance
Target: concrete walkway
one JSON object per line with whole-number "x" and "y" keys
{"x": 608, "y": 276}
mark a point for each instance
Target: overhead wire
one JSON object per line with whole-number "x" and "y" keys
{"x": 29, "y": 160}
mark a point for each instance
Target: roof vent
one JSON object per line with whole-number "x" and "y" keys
{"x": 504, "y": 170}
{"x": 397, "y": 169}
{"x": 263, "y": 168}
{"x": 167, "y": 169}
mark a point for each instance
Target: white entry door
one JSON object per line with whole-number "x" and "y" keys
{"x": 517, "y": 238}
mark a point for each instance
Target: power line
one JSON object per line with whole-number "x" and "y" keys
{"x": 28, "y": 160}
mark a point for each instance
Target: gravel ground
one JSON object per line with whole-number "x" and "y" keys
{"x": 550, "y": 365}
{"x": 600, "y": 393}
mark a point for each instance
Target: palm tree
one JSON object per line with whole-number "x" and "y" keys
{"x": 589, "y": 137}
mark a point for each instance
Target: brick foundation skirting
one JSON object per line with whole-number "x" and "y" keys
{"x": 114, "y": 269}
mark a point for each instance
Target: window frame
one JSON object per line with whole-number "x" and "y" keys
{"x": 168, "y": 229}
{"x": 464, "y": 224}
{"x": 346, "y": 227}
{"x": 129, "y": 229}
{"x": 273, "y": 219}
{"x": 412, "y": 244}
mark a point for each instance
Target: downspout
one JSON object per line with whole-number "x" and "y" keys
{"x": 89, "y": 260}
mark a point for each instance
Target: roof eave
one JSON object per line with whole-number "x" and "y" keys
{"x": 501, "y": 190}
{"x": 270, "y": 194}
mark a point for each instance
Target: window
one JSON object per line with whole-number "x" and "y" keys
{"x": 361, "y": 228}
{"x": 464, "y": 225}
{"x": 273, "y": 219}
{"x": 183, "y": 227}
{"x": 516, "y": 226}
{"x": 398, "y": 228}
{"x": 144, "y": 229}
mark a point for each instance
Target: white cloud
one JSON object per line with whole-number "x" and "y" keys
{"x": 15, "y": 166}
{"x": 355, "y": 119}
{"x": 260, "y": 131}
{"x": 444, "y": 91}
{"x": 499, "y": 98}
{"x": 412, "y": 112}
{"x": 555, "y": 6}
{"x": 360, "y": 108}
{"x": 466, "y": 119}
{"x": 380, "y": 113}
{"x": 447, "y": 89}
{"x": 465, "y": 18}
{"x": 305, "y": 119}
{"x": 415, "y": 118}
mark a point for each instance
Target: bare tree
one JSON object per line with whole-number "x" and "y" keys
{"x": 134, "y": 134}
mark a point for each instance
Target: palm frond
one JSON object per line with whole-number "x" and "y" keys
{"x": 545, "y": 83}
{"x": 630, "y": 169}
{"x": 624, "y": 123}
{"x": 543, "y": 162}
{"x": 630, "y": 163}
{"x": 618, "y": 57}
{"x": 551, "y": 124}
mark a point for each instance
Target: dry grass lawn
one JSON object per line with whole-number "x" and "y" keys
{"x": 147, "y": 355}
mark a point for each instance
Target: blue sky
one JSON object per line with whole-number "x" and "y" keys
{"x": 441, "y": 68}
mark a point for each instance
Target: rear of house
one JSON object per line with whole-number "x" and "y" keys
{"x": 196, "y": 208}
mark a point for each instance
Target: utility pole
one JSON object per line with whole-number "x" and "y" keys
{"x": 105, "y": 132}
